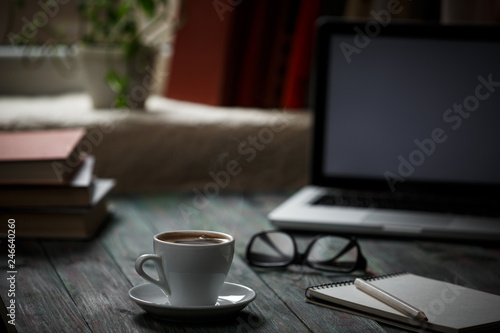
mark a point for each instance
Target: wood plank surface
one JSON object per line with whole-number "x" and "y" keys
{"x": 97, "y": 286}
{"x": 43, "y": 303}
{"x": 234, "y": 215}
{"x": 267, "y": 313}
{"x": 82, "y": 286}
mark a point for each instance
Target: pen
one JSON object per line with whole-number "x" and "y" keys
{"x": 389, "y": 299}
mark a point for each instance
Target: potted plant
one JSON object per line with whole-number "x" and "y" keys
{"x": 119, "y": 43}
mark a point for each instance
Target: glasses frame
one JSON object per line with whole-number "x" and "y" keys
{"x": 301, "y": 258}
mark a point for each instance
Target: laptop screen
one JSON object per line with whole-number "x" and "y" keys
{"x": 409, "y": 108}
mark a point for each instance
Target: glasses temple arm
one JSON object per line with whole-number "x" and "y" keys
{"x": 269, "y": 242}
{"x": 346, "y": 249}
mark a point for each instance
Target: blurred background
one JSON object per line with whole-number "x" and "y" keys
{"x": 228, "y": 80}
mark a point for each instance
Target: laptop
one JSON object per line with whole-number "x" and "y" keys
{"x": 406, "y": 134}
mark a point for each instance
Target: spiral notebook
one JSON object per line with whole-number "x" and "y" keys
{"x": 449, "y": 307}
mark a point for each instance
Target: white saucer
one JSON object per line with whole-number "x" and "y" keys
{"x": 233, "y": 298}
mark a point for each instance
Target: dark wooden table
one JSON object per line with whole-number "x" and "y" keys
{"x": 82, "y": 286}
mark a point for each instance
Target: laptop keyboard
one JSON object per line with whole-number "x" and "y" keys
{"x": 437, "y": 204}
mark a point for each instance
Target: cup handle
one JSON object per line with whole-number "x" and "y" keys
{"x": 161, "y": 281}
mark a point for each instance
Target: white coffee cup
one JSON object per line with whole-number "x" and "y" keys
{"x": 192, "y": 265}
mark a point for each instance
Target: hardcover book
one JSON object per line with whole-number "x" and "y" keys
{"x": 39, "y": 157}
{"x": 78, "y": 192}
{"x": 61, "y": 222}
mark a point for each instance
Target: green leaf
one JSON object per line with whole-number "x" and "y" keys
{"x": 148, "y": 6}
{"x": 121, "y": 101}
{"x": 124, "y": 9}
{"x": 116, "y": 82}
{"x": 119, "y": 84}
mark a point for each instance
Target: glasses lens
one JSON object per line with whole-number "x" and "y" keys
{"x": 271, "y": 249}
{"x": 332, "y": 253}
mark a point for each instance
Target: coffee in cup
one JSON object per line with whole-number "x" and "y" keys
{"x": 192, "y": 265}
{"x": 193, "y": 238}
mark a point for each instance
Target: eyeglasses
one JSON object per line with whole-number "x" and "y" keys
{"x": 273, "y": 249}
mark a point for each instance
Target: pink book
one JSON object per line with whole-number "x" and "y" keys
{"x": 39, "y": 157}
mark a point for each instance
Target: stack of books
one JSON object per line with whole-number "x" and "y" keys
{"x": 47, "y": 185}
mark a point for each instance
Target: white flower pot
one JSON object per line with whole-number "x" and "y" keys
{"x": 97, "y": 61}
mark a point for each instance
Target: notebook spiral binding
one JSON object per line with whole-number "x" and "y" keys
{"x": 349, "y": 282}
